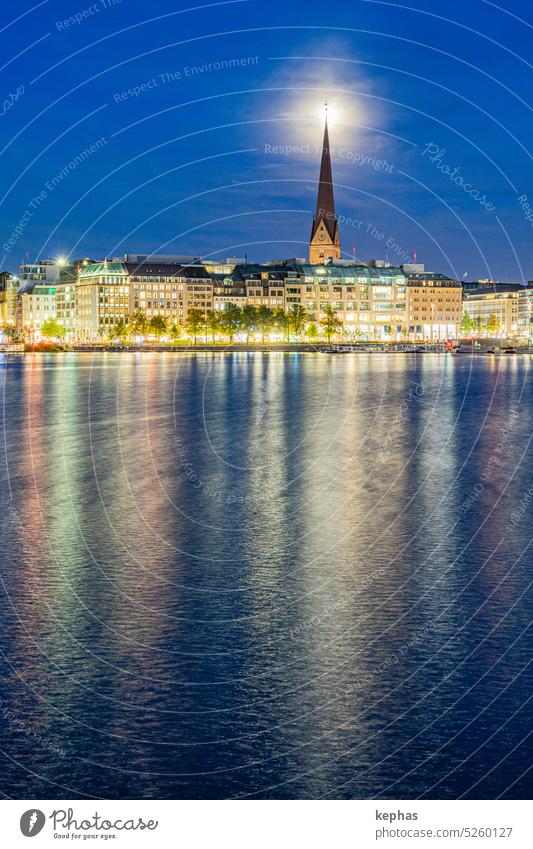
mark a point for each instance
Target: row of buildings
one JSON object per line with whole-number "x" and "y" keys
{"x": 374, "y": 300}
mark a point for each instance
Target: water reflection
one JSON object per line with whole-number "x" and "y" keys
{"x": 272, "y": 575}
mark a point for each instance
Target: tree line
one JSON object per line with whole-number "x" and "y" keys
{"x": 491, "y": 326}
{"x": 231, "y": 321}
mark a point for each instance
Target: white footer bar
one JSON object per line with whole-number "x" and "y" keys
{"x": 267, "y": 824}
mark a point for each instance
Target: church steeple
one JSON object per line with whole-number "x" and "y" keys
{"x": 325, "y": 231}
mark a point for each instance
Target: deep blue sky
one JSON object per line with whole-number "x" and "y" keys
{"x": 185, "y": 166}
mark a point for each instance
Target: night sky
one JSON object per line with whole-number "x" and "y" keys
{"x": 430, "y": 128}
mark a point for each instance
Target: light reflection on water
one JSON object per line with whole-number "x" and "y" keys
{"x": 265, "y": 575}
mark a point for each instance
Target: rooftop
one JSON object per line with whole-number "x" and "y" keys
{"x": 163, "y": 269}
{"x": 102, "y": 269}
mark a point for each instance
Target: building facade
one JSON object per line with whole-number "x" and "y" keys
{"x": 102, "y": 300}
{"x": 66, "y": 296}
{"x": 434, "y": 306}
{"x": 525, "y": 313}
{"x": 109, "y": 292}
{"x": 8, "y": 290}
{"x": 495, "y": 313}
{"x": 45, "y": 271}
{"x": 34, "y": 305}
{"x": 169, "y": 290}
{"x": 374, "y": 301}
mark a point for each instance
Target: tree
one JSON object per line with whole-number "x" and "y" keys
{"x": 212, "y": 321}
{"x": 11, "y": 332}
{"x": 51, "y": 329}
{"x": 249, "y": 319}
{"x": 312, "y": 331}
{"x": 297, "y": 319}
{"x": 157, "y": 325}
{"x": 175, "y": 332}
{"x": 138, "y": 322}
{"x": 230, "y": 320}
{"x": 466, "y": 323}
{"x": 330, "y": 322}
{"x": 478, "y": 324}
{"x": 194, "y": 323}
{"x": 122, "y": 331}
{"x": 493, "y": 325}
{"x": 265, "y": 320}
{"x": 281, "y": 320}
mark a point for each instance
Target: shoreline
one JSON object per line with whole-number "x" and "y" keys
{"x": 287, "y": 348}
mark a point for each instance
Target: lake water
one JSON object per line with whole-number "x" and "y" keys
{"x": 265, "y": 576}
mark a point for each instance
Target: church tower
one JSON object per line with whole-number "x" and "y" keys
{"x": 325, "y": 241}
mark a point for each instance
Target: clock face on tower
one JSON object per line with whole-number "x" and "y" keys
{"x": 321, "y": 235}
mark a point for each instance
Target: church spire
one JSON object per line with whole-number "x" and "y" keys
{"x": 325, "y": 232}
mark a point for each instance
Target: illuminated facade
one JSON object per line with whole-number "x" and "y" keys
{"x": 371, "y": 302}
{"x": 35, "y": 304}
{"x": 109, "y": 292}
{"x": 434, "y": 306}
{"x": 66, "y": 297}
{"x": 374, "y": 301}
{"x": 8, "y": 289}
{"x": 525, "y": 312}
{"x": 102, "y": 300}
{"x": 169, "y": 290}
{"x": 494, "y": 313}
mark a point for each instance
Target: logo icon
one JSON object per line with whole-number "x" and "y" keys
{"x": 32, "y": 822}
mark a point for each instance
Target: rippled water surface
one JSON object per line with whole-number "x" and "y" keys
{"x": 265, "y": 575}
